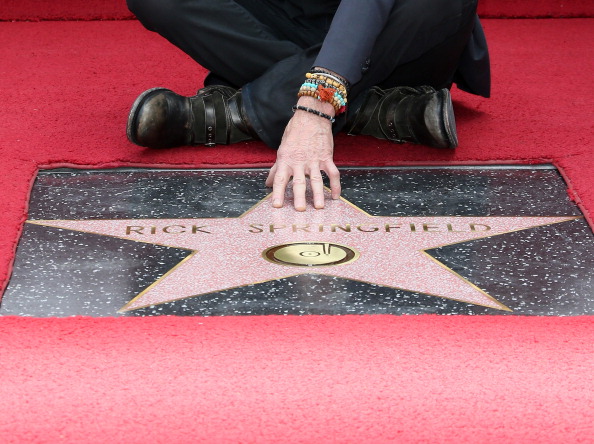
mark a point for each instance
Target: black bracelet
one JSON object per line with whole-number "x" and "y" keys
{"x": 314, "y": 111}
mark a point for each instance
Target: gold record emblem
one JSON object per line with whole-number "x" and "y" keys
{"x": 310, "y": 254}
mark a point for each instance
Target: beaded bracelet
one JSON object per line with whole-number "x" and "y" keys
{"x": 324, "y": 94}
{"x": 336, "y": 77}
{"x": 325, "y": 87}
{"x": 330, "y": 80}
{"x": 314, "y": 111}
{"x": 315, "y": 83}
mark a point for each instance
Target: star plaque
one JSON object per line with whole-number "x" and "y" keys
{"x": 270, "y": 251}
{"x": 341, "y": 240}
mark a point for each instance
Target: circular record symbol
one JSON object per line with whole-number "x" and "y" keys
{"x": 310, "y": 254}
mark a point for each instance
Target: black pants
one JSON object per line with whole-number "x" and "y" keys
{"x": 266, "y": 50}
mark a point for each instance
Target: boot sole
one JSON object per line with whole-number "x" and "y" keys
{"x": 449, "y": 121}
{"x": 133, "y": 115}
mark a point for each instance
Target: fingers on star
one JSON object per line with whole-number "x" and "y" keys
{"x": 299, "y": 187}
{"x": 271, "y": 174}
{"x": 317, "y": 186}
{"x": 334, "y": 176}
{"x": 279, "y": 185}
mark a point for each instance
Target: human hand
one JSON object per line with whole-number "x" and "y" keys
{"x": 306, "y": 149}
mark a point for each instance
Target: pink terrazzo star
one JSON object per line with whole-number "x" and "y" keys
{"x": 228, "y": 252}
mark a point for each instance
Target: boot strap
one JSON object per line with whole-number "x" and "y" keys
{"x": 237, "y": 116}
{"x": 392, "y": 127}
{"x": 399, "y": 116}
{"x": 365, "y": 112}
{"x": 210, "y": 120}
{"x": 223, "y": 118}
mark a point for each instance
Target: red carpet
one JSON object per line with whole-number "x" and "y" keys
{"x": 297, "y": 379}
{"x": 66, "y": 89}
{"x": 35, "y": 10}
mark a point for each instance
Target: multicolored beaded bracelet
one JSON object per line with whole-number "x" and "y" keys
{"x": 325, "y": 93}
{"x": 342, "y": 80}
{"x": 325, "y": 87}
{"x": 314, "y": 83}
{"x": 338, "y": 109}
{"x": 330, "y": 80}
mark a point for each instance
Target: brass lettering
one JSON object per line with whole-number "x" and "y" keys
{"x": 256, "y": 228}
{"x": 297, "y": 228}
{"x": 371, "y": 230}
{"x": 196, "y": 229}
{"x": 430, "y": 228}
{"x": 168, "y": 229}
{"x": 473, "y": 227}
{"x": 274, "y": 227}
{"x": 153, "y": 230}
{"x": 451, "y": 229}
{"x": 346, "y": 228}
{"x": 413, "y": 228}
{"x": 134, "y": 228}
{"x": 389, "y": 227}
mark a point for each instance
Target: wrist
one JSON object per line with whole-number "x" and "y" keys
{"x": 316, "y": 104}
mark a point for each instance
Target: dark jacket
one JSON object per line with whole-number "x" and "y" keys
{"x": 356, "y": 26}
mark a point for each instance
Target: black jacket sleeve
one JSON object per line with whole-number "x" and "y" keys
{"x": 353, "y": 32}
{"x": 357, "y": 25}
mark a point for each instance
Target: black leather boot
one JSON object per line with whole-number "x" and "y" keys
{"x": 161, "y": 118}
{"x": 419, "y": 115}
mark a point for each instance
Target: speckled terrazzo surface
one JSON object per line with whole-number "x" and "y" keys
{"x": 497, "y": 240}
